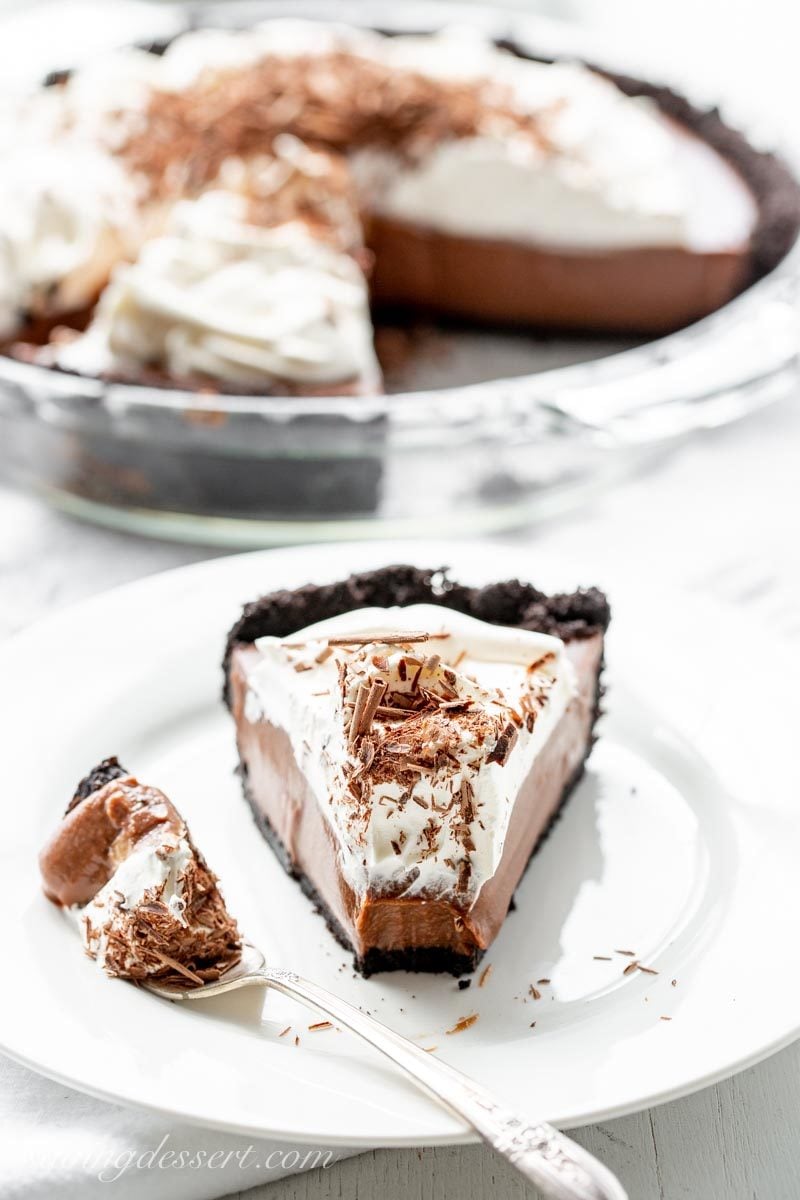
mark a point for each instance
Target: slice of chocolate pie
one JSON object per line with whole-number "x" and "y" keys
{"x": 406, "y": 742}
{"x": 149, "y": 908}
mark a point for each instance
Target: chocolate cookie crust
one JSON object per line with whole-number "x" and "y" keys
{"x": 565, "y": 615}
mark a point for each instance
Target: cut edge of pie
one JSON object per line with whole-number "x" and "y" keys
{"x": 413, "y": 861}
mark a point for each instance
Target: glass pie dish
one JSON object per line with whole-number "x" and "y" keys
{"x": 479, "y": 431}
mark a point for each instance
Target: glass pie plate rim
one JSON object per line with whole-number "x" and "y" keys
{"x": 614, "y": 410}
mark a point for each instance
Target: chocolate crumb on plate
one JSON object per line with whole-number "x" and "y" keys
{"x": 463, "y": 1023}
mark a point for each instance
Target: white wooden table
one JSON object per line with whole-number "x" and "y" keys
{"x": 721, "y": 518}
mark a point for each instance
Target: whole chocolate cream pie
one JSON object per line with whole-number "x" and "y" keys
{"x": 225, "y": 215}
{"x": 406, "y": 742}
{"x": 123, "y": 862}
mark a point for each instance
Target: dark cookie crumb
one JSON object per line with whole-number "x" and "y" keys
{"x": 98, "y": 777}
{"x": 278, "y": 614}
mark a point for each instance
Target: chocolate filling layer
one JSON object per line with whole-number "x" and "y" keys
{"x": 637, "y": 291}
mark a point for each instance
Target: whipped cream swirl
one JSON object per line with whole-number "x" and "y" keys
{"x": 67, "y": 215}
{"x": 224, "y": 299}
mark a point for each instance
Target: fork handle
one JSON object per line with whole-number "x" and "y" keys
{"x": 560, "y": 1168}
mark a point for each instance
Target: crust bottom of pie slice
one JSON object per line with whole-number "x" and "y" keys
{"x": 389, "y": 931}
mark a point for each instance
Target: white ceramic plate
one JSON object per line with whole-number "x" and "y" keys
{"x": 681, "y": 844}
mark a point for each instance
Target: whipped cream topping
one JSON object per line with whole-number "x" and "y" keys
{"x": 67, "y": 215}
{"x": 607, "y": 172}
{"x": 152, "y": 872}
{"x": 415, "y": 750}
{"x": 603, "y": 170}
{"x": 225, "y": 299}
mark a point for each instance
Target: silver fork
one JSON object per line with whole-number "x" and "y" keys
{"x": 560, "y": 1168}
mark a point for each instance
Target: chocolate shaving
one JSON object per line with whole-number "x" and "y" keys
{"x": 539, "y": 662}
{"x": 177, "y": 966}
{"x": 463, "y": 1023}
{"x": 390, "y": 713}
{"x": 379, "y": 639}
{"x": 464, "y": 875}
{"x": 503, "y": 746}
{"x": 366, "y": 753}
{"x": 335, "y": 100}
{"x": 358, "y": 712}
{"x": 371, "y": 705}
